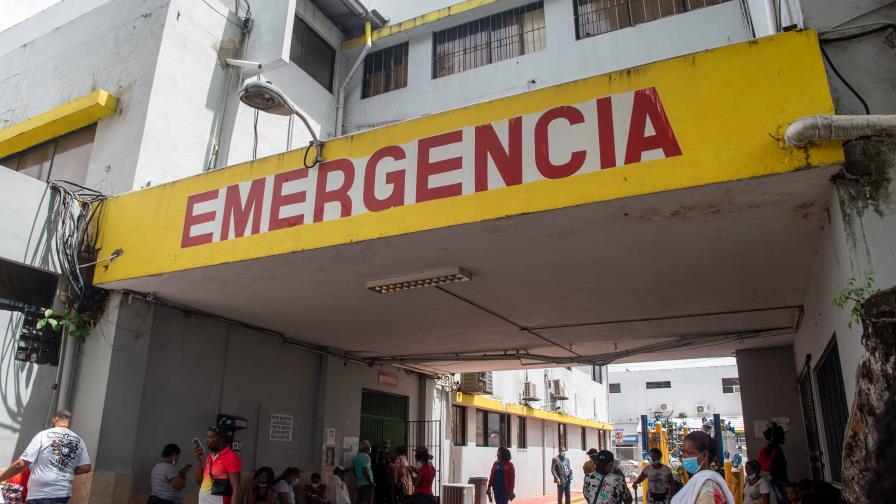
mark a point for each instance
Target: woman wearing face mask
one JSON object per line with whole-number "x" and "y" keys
{"x": 315, "y": 492}
{"x": 659, "y": 479}
{"x": 262, "y": 491}
{"x": 284, "y": 486}
{"x": 704, "y": 486}
{"x": 755, "y": 486}
{"x": 166, "y": 481}
{"x": 605, "y": 485}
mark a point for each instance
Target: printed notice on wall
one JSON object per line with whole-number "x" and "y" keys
{"x": 281, "y": 427}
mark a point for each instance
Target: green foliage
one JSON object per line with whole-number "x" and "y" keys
{"x": 78, "y": 326}
{"x": 855, "y": 295}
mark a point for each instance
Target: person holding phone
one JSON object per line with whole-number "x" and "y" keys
{"x": 167, "y": 482}
{"x": 218, "y": 476}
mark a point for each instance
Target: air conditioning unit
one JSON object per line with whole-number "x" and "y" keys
{"x": 558, "y": 390}
{"x": 664, "y": 408}
{"x": 703, "y": 409}
{"x": 476, "y": 383}
{"x": 530, "y": 392}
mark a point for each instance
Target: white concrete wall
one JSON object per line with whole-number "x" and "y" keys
{"x": 860, "y": 235}
{"x": 563, "y": 59}
{"x": 587, "y": 398}
{"x": 25, "y": 389}
{"x": 114, "y": 48}
{"x": 690, "y": 387}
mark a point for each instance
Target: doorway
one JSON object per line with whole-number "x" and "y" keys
{"x": 832, "y": 396}
{"x": 384, "y": 417}
{"x": 807, "y": 401}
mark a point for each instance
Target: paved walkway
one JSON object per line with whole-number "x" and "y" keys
{"x": 577, "y": 498}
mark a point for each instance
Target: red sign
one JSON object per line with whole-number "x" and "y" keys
{"x": 387, "y": 379}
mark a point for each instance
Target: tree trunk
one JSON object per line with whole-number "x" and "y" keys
{"x": 875, "y": 377}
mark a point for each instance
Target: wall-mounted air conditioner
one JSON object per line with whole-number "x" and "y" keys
{"x": 665, "y": 409}
{"x": 530, "y": 392}
{"x": 476, "y": 383}
{"x": 703, "y": 409}
{"x": 558, "y": 390}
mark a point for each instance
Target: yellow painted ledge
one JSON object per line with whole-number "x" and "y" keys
{"x": 56, "y": 122}
{"x": 490, "y": 404}
{"x": 429, "y": 17}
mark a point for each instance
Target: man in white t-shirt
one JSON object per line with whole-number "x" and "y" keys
{"x": 56, "y": 455}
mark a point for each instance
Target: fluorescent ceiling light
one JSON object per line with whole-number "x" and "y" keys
{"x": 431, "y": 278}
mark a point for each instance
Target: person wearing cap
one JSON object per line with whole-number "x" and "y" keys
{"x": 588, "y": 466}
{"x": 219, "y": 476}
{"x": 337, "y": 492}
{"x": 604, "y": 485}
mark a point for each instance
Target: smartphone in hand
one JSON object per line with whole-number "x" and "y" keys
{"x": 197, "y": 447}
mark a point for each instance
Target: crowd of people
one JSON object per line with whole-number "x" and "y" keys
{"x": 45, "y": 471}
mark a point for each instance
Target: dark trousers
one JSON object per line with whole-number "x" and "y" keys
{"x": 502, "y": 498}
{"x": 563, "y": 489}
{"x": 52, "y": 500}
{"x": 365, "y": 494}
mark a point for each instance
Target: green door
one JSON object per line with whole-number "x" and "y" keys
{"x": 384, "y": 417}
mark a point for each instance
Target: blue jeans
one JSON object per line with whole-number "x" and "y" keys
{"x": 502, "y": 497}
{"x": 52, "y": 500}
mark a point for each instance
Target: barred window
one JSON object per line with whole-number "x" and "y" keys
{"x": 730, "y": 385}
{"x": 385, "y": 70}
{"x": 658, "y": 384}
{"x": 459, "y": 425}
{"x": 487, "y": 40}
{"x": 615, "y": 388}
{"x": 594, "y": 17}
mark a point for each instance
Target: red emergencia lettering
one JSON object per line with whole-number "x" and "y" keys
{"x": 561, "y": 142}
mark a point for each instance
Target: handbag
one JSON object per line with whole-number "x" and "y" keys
{"x": 220, "y": 487}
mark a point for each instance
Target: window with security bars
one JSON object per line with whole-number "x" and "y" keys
{"x": 487, "y": 40}
{"x": 658, "y": 384}
{"x": 385, "y": 70}
{"x": 594, "y": 17}
{"x": 615, "y": 388}
{"x": 522, "y": 441}
{"x": 730, "y": 385}
{"x": 561, "y": 435}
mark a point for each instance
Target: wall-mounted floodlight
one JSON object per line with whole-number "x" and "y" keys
{"x": 266, "y": 97}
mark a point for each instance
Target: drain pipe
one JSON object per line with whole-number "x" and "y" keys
{"x": 340, "y": 95}
{"x": 833, "y": 127}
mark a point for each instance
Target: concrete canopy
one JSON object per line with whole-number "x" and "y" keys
{"x": 649, "y": 213}
{"x": 728, "y": 259}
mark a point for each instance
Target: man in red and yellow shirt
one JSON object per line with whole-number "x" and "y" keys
{"x": 219, "y": 477}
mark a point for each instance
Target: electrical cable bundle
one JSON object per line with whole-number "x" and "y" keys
{"x": 74, "y": 209}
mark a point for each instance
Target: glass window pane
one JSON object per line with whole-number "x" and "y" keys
{"x": 494, "y": 430}
{"x": 480, "y": 428}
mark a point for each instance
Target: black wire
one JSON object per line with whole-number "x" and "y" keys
{"x": 255, "y": 137}
{"x": 844, "y": 81}
{"x": 884, "y": 25}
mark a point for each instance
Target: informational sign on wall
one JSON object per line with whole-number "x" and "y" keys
{"x": 281, "y": 427}
{"x": 387, "y": 379}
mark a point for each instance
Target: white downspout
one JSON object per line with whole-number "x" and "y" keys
{"x": 832, "y": 127}
{"x": 340, "y": 95}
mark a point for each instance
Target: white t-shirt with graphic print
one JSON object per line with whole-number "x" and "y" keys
{"x": 54, "y": 454}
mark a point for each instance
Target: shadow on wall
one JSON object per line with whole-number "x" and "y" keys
{"x": 26, "y": 390}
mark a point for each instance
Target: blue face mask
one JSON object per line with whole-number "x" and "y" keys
{"x": 690, "y": 465}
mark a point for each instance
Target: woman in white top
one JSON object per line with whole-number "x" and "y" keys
{"x": 755, "y": 486}
{"x": 284, "y": 486}
{"x": 705, "y": 486}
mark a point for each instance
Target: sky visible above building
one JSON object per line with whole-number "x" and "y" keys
{"x": 673, "y": 364}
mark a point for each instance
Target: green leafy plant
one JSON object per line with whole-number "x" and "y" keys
{"x": 77, "y": 324}
{"x": 856, "y": 295}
